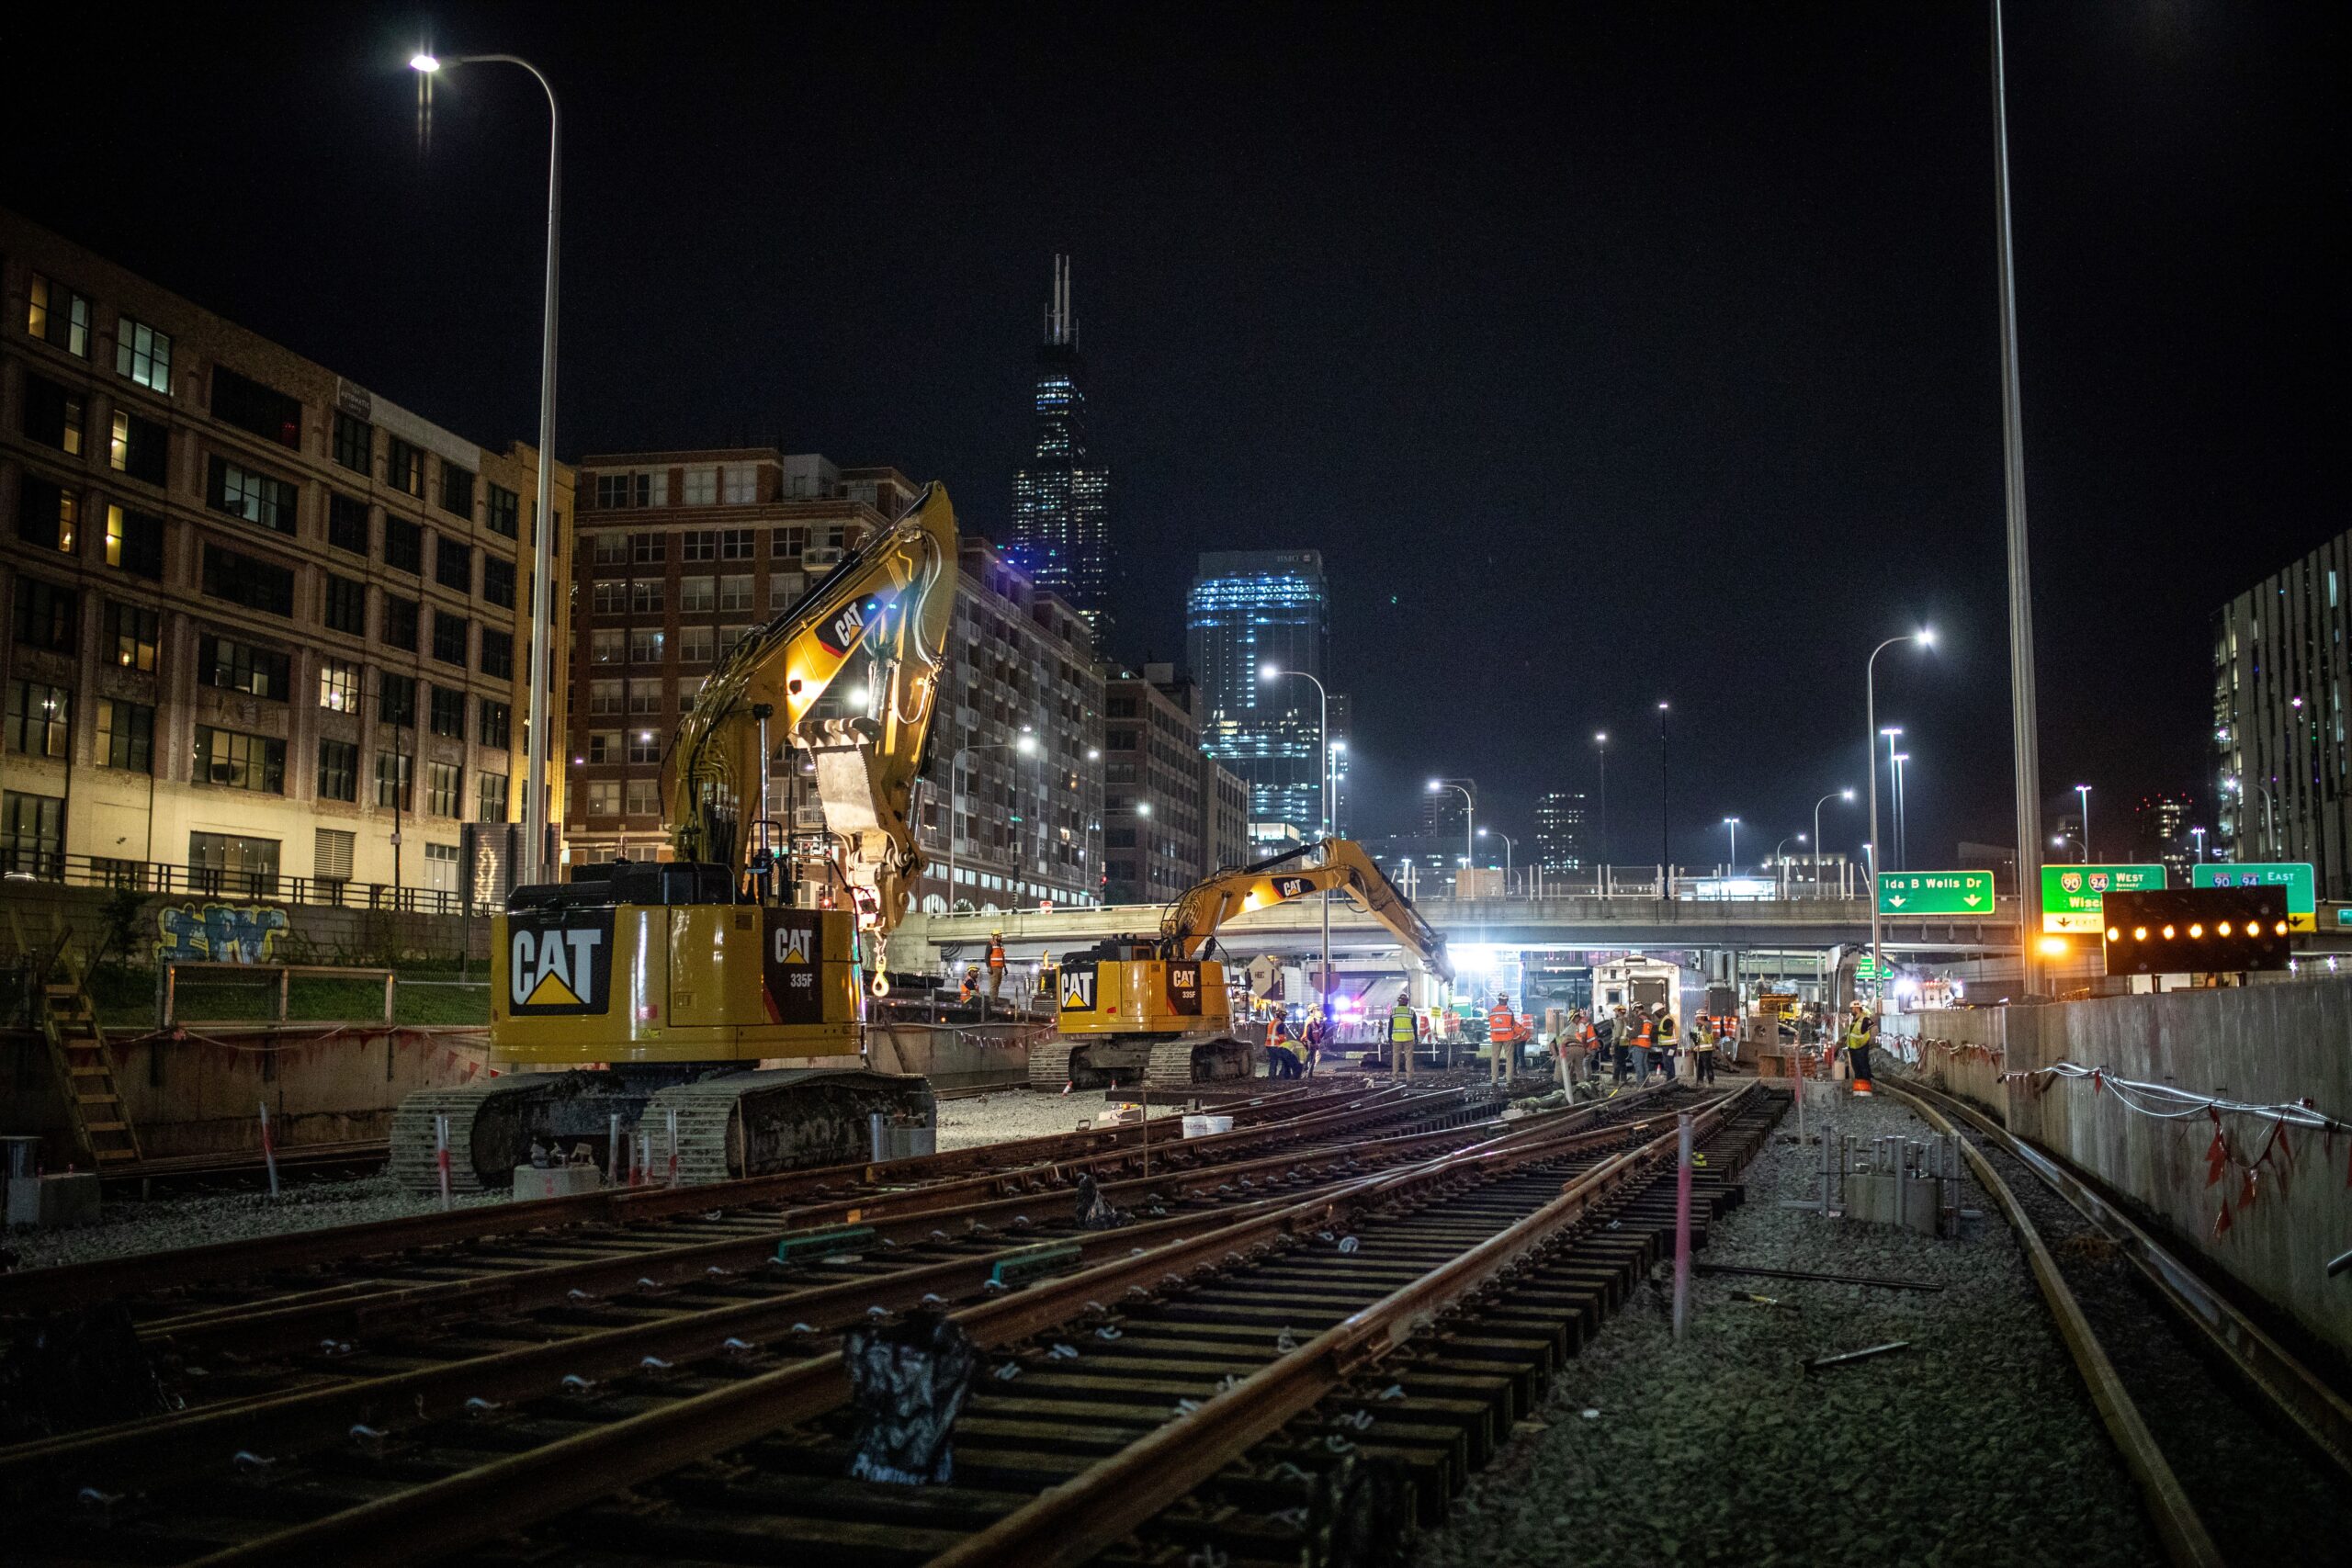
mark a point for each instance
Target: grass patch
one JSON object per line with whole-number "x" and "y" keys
{"x": 428, "y": 993}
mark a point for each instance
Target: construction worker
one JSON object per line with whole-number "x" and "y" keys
{"x": 1594, "y": 1038}
{"x": 1318, "y": 1033}
{"x": 971, "y": 981}
{"x": 1861, "y": 1034}
{"x": 1662, "y": 1039}
{"x": 1404, "y": 1030}
{"x": 1644, "y": 1038}
{"x": 1621, "y": 1035}
{"x": 1502, "y": 1031}
{"x": 996, "y": 965}
{"x": 1704, "y": 1035}
{"x": 1285, "y": 1054}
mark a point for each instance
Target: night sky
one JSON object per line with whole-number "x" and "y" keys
{"x": 1637, "y": 352}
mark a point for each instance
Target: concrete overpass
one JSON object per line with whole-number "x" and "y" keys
{"x": 1614, "y": 922}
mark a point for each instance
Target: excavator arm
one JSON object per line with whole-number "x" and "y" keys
{"x": 1196, "y": 917}
{"x": 881, "y": 616}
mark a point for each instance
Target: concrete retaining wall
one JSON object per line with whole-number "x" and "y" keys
{"x": 308, "y": 934}
{"x": 2262, "y": 1045}
{"x": 204, "y": 1096}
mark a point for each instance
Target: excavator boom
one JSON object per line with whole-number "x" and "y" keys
{"x": 1196, "y": 917}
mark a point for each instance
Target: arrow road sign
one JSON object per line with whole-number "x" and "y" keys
{"x": 1935, "y": 893}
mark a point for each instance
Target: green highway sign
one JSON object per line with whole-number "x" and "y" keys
{"x": 2072, "y": 894}
{"x": 2302, "y": 889}
{"x": 1935, "y": 893}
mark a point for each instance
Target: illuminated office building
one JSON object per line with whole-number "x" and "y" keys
{"x": 1249, "y": 609}
{"x": 1061, "y": 500}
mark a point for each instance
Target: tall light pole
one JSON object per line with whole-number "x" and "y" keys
{"x": 1026, "y": 745}
{"x": 1268, "y": 674}
{"x": 1777, "y": 861}
{"x": 2026, "y": 742}
{"x": 1601, "y": 748}
{"x": 542, "y": 655}
{"x": 1506, "y": 849}
{"x": 1892, "y": 734}
{"x": 1925, "y": 638}
{"x": 1470, "y": 814}
{"x": 1902, "y": 842}
{"x": 2198, "y": 834}
{"x": 2083, "y": 793}
{"x": 1846, "y": 794}
{"x": 1665, "y": 859}
{"x": 1732, "y": 823}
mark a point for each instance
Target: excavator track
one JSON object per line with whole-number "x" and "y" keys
{"x": 1183, "y": 1062}
{"x": 1049, "y": 1063}
{"x": 490, "y": 1107}
{"x": 784, "y": 1118}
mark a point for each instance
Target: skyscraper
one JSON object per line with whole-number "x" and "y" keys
{"x": 1251, "y": 608}
{"x": 1060, "y": 501}
{"x": 1560, "y": 842}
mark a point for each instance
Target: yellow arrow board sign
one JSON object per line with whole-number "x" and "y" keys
{"x": 1935, "y": 893}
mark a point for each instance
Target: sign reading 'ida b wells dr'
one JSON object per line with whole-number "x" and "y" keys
{"x": 1935, "y": 893}
{"x": 2073, "y": 896}
{"x": 2295, "y": 876}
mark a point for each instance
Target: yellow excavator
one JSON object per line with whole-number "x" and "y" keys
{"x": 715, "y": 1000}
{"x": 1156, "y": 1010}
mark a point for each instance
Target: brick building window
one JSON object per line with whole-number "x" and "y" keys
{"x": 58, "y": 315}
{"x": 134, "y": 542}
{"x": 457, "y": 490}
{"x": 240, "y": 493}
{"x": 346, "y": 605}
{"x": 52, "y": 415}
{"x": 339, "y": 773}
{"x": 262, "y": 410}
{"x": 142, "y": 354}
{"x": 505, "y": 512}
{"x": 237, "y": 761}
{"x": 49, "y": 615}
{"x": 339, "y": 685}
{"x": 126, "y": 738}
{"x": 400, "y": 623}
{"x": 39, "y": 717}
{"x": 404, "y": 546}
{"x": 403, "y": 467}
{"x": 132, "y": 633}
{"x": 232, "y": 666}
{"x": 138, "y": 447}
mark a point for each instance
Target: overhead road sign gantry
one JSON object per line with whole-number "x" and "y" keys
{"x": 2073, "y": 896}
{"x": 1911, "y": 893}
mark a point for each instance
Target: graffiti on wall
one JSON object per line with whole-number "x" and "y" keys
{"x": 218, "y": 933}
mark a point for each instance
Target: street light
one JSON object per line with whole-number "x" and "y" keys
{"x": 1665, "y": 859}
{"x": 1267, "y": 674}
{"x": 1781, "y": 864}
{"x": 542, "y": 663}
{"x": 2083, "y": 793}
{"x": 1845, "y": 795}
{"x": 1024, "y": 744}
{"x": 1925, "y": 638}
{"x": 1506, "y": 849}
{"x": 1600, "y": 745}
{"x": 1891, "y": 734}
{"x": 1732, "y": 823}
{"x": 2198, "y": 834}
{"x": 1470, "y": 817}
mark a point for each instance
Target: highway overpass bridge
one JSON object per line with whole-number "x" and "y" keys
{"x": 1616, "y": 922}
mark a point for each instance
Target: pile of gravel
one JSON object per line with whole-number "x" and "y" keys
{"x": 127, "y": 1225}
{"x": 1977, "y": 1445}
{"x": 1021, "y": 1114}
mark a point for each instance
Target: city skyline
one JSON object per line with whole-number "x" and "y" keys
{"x": 1736, "y": 398}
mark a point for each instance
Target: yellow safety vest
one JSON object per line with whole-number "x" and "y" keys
{"x": 1401, "y": 1027}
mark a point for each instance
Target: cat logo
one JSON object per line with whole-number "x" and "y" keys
{"x": 559, "y": 968}
{"x": 847, "y": 630}
{"x": 1291, "y": 887}
{"x": 1078, "y": 991}
{"x": 792, "y": 945}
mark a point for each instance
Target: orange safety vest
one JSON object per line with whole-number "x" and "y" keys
{"x": 996, "y": 956}
{"x": 1501, "y": 1027}
{"x": 1645, "y": 1037}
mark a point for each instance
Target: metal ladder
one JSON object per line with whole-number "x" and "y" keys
{"x": 77, "y": 1058}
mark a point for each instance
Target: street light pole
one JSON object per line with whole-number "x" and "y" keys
{"x": 1902, "y": 841}
{"x": 1783, "y": 865}
{"x": 2198, "y": 834}
{"x": 1026, "y": 745}
{"x": 1506, "y": 849}
{"x": 1925, "y": 638}
{"x": 542, "y": 655}
{"x": 1271, "y": 672}
{"x": 1834, "y": 794}
{"x": 1665, "y": 857}
{"x": 1601, "y": 746}
{"x": 1469, "y": 819}
{"x": 2083, "y": 792}
{"x": 2026, "y": 731}
{"x": 1732, "y": 823}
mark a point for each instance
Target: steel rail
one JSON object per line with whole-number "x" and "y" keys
{"x": 1093, "y": 1511}
{"x": 2299, "y": 1392}
{"x": 2185, "y": 1537}
{"x": 107, "y": 1279}
{"x": 359, "y": 1308}
{"x": 482, "y": 1504}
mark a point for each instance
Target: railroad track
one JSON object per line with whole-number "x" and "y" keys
{"x": 1178, "y": 1337}
{"x": 225, "y": 1348}
{"x": 243, "y": 1169}
{"x": 2229, "y": 1437}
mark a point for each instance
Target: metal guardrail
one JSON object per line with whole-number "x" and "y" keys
{"x": 172, "y": 880}
{"x": 169, "y": 980}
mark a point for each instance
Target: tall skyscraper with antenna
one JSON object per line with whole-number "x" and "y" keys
{"x": 1060, "y": 499}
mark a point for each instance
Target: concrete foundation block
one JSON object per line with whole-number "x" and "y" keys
{"x": 556, "y": 1181}
{"x": 54, "y": 1202}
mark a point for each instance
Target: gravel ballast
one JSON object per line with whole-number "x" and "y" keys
{"x": 1976, "y": 1446}
{"x": 131, "y": 1225}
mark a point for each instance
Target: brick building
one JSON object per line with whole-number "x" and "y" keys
{"x": 262, "y": 623}
{"x": 682, "y": 553}
{"x": 1155, "y": 823}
